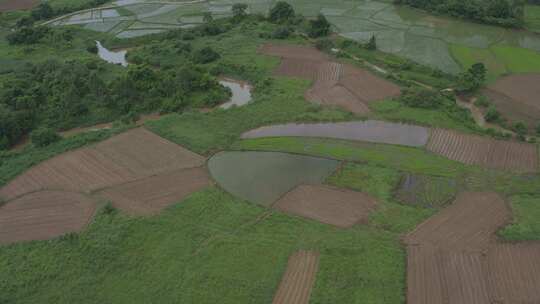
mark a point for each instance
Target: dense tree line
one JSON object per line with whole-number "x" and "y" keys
{"x": 507, "y": 13}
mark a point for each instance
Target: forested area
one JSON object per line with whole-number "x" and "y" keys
{"x": 508, "y": 13}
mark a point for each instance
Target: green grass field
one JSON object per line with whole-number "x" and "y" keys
{"x": 532, "y": 17}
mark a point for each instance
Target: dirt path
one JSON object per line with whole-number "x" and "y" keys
{"x": 298, "y": 280}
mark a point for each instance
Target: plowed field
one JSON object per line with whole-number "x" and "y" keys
{"x": 516, "y": 97}
{"x": 297, "y": 282}
{"x": 13, "y": 5}
{"x": 43, "y": 215}
{"x": 454, "y": 257}
{"x": 333, "y": 83}
{"x": 476, "y": 150}
{"x": 338, "y": 207}
{"x": 152, "y": 194}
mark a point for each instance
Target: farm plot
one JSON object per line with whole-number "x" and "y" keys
{"x": 516, "y": 97}
{"x": 298, "y": 280}
{"x": 43, "y": 215}
{"x": 454, "y": 257}
{"x": 468, "y": 224}
{"x": 334, "y": 206}
{"x": 151, "y": 195}
{"x": 13, "y": 5}
{"x": 370, "y": 131}
{"x": 476, "y": 150}
{"x": 334, "y": 84}
{"x": 427, "y": 191}
{"x": 263, "y": 177}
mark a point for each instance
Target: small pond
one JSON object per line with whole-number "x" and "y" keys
{"x": 241, "y": 92}
{"x": 110, "y": 56}
{"x": 263, "y": 177}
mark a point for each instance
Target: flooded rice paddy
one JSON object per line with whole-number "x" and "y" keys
{"x": 440, "y": 42}
{"x": 263, "y": 177}
{"x": 241, "y": 93}
{"x": 118, "y": 57}
{"x": 370, "y": 131}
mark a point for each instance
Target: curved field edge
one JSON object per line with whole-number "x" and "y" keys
{"x": 209, "y": 242}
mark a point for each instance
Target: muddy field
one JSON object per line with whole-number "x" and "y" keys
{"x": 141, "y": 172}
{"x": 334, "y": 206}
{"x": 43, "y": 215}
{"x": 334, "y": 84}
{"x": 454, "y": 257}
{"x": 152, "y": 194}
{"x": 516, "y": 97}
{"x": 13, "y": 5}
{"x": 298, "y": 280}
{"x": 482, "y": 151}
{"x": 370, "y": 131}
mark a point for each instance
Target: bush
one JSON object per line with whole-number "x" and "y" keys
{"x": 492, "y": 115}
{"x": 282, "y": 32}
{"x": 205, "y": 55}
{"x": 422, "y": 98}
{"x": 482, "y": 101}
{"x": 43, "y": 137}
{"x": 319, "y": 27}
{"x": 520, "y": 128}
{"x": 281, "y": 12}
{"x": 538, "y": 129}
{"x": 324, "y": 44}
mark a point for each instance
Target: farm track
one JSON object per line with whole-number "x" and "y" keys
{"x": 486, "y": 152}
{"x": 454, "y": 257}
{"x": 298, "y": 280}
{"x": 142, "y": 174}
{"x": 334, "y": 84}
{"x": 330, "y": 205}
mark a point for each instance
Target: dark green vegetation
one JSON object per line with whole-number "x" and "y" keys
{"x": 526, "y": 226}
{"x": 508, "y": 13}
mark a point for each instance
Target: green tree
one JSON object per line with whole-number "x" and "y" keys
{"x": 239, "y": 11}
{"x": 281, "y": 12}
{"x": 42, "y": 11}
{"x": 473, "y": 78}
{"x": 319, "y": 27}
{"x": 492, "y": 115}
{"x": 372, "y": 44}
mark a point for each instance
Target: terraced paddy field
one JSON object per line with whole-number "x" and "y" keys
{"x": 399, "y": 30}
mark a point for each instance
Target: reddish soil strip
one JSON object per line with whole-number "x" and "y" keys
{"x": 298, "y": 280}
{"x": 145, "y": 153}
{"x": 514, "y": 273}
{"x": 469, "y": 223}
{"x": 80, "y": 170}
{"x": 516, "y": 96}
{"x": 338, "y": 207}
{"x": 293, "y": 51}
{"x": 13, "y": 5}
{"x": 334, "y": 84}
{"x": 44, "y": 215}
{"x": 151, "y": 195}
{"x": 370, "y": 130}
{"x": 367, "y": 86}
{"x": 482, "y": 151}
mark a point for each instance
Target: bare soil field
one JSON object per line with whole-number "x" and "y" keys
{"x": 516, "y": 96}
{"x": 477, "y": 150}
{"x": 454, "y": 257}
{"x": 334, "y": 84}
{"x": 43, "y": 215}
{"x": 145, "y": 153}
{"x": 298, "y": 280}
{"x": 152, "y": 194}
{"x": 369, "y": 130}
{"x": 467, "y": 224}
{"x": 329, "y": 205}
{"x": 13, "y": 5}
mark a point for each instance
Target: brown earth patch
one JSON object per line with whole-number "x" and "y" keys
{"x": 44, "y": 215}
{"x": 482, "y": 151}
{"x": 13, "y": 5}
{"x": 152, "y": 194}
{"x": 334, "y": 84}
{"x": 298, "y": 280}
{"x": 454, "y": 257}
{"x": 334, "y": 206}
{"x": 516, "y": 97}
